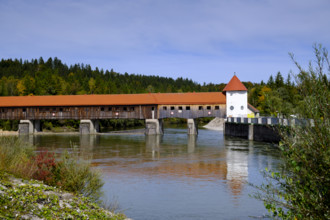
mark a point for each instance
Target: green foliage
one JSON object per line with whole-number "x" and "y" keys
{"x": 9, "y": 125}
{"x": 75, "y": 175}
{"x": 36, "y": 77}
{"x": 117, "y": 124}
{"x": 47, "y": 125}
{"x": 277, "y": 98}
{"x": 302, "y": 187}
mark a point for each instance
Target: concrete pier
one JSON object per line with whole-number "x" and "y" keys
{"x": 154, "y": 127}
{"x": 89, "y": 126}
{"x": 29, "y": 126}
{"x": 192, "y": 126}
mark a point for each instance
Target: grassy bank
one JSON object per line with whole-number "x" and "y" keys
{"x": 67, "y": 172}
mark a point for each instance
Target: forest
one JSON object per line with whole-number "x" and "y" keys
{"x": 276, "y": 97}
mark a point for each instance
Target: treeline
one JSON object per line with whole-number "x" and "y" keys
{"x": 52, "y": 77}
{"x": 277, "y": 97}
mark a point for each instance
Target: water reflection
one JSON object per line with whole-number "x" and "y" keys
{"x": 153, "y": 145}
{"x": 202, "y": 171}
{"x": 27, "y": 138}
{"x": 192, "y": 139}
{"x": 88, "y": 142}
{"x": 237, "y": 165}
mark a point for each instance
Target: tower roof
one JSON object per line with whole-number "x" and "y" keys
{"x": 234, "y": 85}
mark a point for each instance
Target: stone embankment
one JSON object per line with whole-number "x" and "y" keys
{"x": 215, "y": 124}
{"x": 22, "y": 199}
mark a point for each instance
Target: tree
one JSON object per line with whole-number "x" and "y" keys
{"x": 301, "y": 188}
{"x": 279, "y": 81}
{"x": 92, "y": 85}
{"x": 270, "y": 82}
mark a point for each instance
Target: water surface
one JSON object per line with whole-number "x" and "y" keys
{"x": 174, "y": 176}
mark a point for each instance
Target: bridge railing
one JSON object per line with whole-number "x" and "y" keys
{"x": 271, "y": 121}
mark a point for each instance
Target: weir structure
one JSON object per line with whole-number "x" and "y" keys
{"x": 151, "y": 107}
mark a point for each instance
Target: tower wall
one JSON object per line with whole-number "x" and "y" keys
{"x": 236, "y": 103}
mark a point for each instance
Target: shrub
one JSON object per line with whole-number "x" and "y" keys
{"x": 76, "y": 175}
{"x": 15, "y": 156}
{"x": 46, "y": 166}
{"x": 68, "y": 172}
{"x": 47, "y": 125}
{"x": 301, "y": 190}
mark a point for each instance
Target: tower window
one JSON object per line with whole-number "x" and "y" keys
{"x": 200, "y": 107}
{"x": 208, "y": 107}
{"x": 231, "y": 107}
{"x": 188, "y": 108}
{"x": 217, "y": 107}
{"x": 242, "y": 107}
{"x": 164, "y": 108}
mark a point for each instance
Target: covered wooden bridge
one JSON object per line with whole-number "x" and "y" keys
{"x": 153, "y": 107}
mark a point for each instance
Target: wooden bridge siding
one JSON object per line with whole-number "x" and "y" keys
{"x": 196, "y": 111}
{"x": 103, "y": 112}
{"x": 79, "y": 112}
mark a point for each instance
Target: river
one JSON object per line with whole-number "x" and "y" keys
{"x": 174, "y": 176}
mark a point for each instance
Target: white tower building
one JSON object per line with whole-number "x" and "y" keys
{"x": 236, "y": 98}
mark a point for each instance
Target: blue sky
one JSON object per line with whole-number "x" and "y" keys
{"x": 204, "y": 40}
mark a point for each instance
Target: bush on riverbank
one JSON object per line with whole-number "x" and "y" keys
{"x": 67, "y": 172}
{"x": 301, "y": 190}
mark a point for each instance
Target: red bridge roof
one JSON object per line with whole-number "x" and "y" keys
{"x": 202, "y": 98}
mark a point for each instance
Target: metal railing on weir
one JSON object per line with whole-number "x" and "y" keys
{"x": 271, "y": 121}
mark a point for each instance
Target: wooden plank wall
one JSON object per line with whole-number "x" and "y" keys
{"x": 78, "y": 112}
{"x": 113, "y": 112}
{"x": 191, "y": 111}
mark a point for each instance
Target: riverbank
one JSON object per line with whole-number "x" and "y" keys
{"x": 31, "y": 199}
{"x": 8, "y": 133}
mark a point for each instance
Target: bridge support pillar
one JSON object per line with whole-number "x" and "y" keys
{"x": 154, "y": 126}
{"x": 89, "y": 126}
{"x": 29, "y": 126}
{"x": 250, "y": 132}
{"x": 192, "y": 126}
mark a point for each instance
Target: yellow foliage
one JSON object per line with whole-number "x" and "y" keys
{"x": 265, "y": 90}
{"x": 21, "y": 87}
